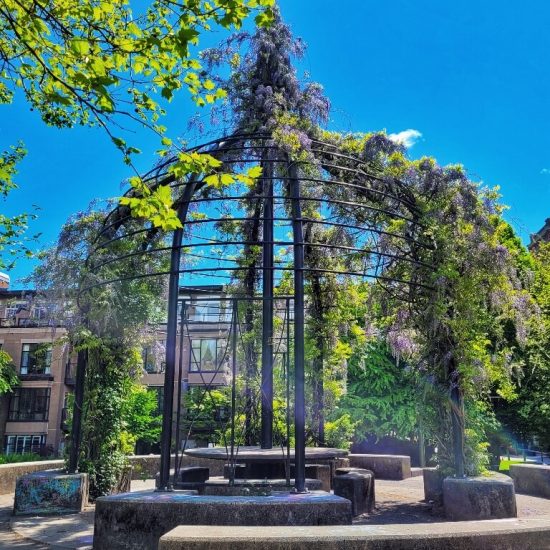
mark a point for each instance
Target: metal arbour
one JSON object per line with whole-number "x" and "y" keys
{"x": 250, "y": 237}
{"x": 227, "y": 320}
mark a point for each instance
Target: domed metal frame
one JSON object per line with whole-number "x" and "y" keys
{"x": 347, "y": 191}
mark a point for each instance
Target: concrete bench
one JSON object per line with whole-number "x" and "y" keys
{"x": 9, "y": 473}
{"x": 190, "y": 478}
{"x": 527, "y": 534}
{"x": 383, "y": 466}
{"x": 194, "y": 474}
{"x": 240, "y": 471}
{"x": 50, "y": 492}
{"x": 317, "y": 471}
{"x": 357, "y": 485}
{"x": 531, "y": 479}
{"x": 478, "y": 498}
{"x": 433, "y": 485}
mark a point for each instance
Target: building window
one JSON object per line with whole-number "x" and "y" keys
{"x": 212, "y": 310}
{"x": 206, "y": 354}
{"x": 151, "y": 362}
{"x": 14, "y": 309}
{"x": 19, "y": 444}
{"x": 29, "y": 404}
{"x": 39, "y": 311}
{"x": 36, "y": 359}
{"x": 159, "y": 392}
{"x": 206, "y": 311}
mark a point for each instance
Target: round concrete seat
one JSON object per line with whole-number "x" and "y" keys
{"x": 477, "y": 498}
{"x": 357, "y": 485}
{"x": 138, "y": 520}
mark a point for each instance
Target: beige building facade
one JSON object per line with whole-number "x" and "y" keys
{"x": 33, "y": 417}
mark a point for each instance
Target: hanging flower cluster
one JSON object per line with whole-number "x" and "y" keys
{"x": 264, "y": 93}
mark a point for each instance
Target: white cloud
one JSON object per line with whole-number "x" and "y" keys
{"x": 407, "y": 137}
{"x": 545, "y": 171}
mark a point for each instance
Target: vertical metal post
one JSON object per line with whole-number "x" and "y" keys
{"x": 457, "y": 420}
{"x": 299, "y": 360}
{"x": 76, "y": 428}
{"x": 171, "y": 337}
{"x": 267, "y": 310}
{"x": 178, "y": 406}
{"x": 233, "y": 391}
{"x": 287, "y": 369}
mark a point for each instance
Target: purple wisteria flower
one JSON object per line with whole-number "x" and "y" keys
{"x": 402, "y": 343}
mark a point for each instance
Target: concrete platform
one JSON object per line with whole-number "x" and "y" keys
{"x": 261, "y": 487}
{"x": 398, "y": 503}
{"x": 513, "y": 534}
{"x": 136, "y": 521}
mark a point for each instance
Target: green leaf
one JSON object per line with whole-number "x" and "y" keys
{"x": 80, "y": 46}
{"x": 255, "y": 172}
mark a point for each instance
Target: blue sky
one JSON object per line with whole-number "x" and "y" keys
{"x": 471, "y": 77}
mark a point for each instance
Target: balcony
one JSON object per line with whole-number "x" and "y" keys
{"x": 64, "y": 424}
{"x": 209, "y": 378}
{"x": 27, "y": 322}
{"x": 151, "y": 368}
{"x": 70, "y": 374}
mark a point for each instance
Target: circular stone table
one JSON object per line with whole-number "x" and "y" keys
{"x": 257, "y": 454}
{"x": 269, "y": 463}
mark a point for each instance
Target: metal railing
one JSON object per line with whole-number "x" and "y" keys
{"x": 28, "y": 322}
{"x": 70, "y": 374}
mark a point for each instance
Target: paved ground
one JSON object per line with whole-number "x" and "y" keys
{"x": 8, "y": 539}
{"x": 401, "y": 502}
{"x": 396, "y": 502}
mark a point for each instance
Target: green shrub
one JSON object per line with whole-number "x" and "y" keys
{"x": 25, "y": 457}
{"x": 339, "y": 433}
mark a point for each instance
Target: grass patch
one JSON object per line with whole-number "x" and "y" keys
{"x": 27, "y": 457}
{"x": 505, "y": 464}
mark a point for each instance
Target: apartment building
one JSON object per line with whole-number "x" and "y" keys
{"x": 542, "y": 235}
{"x": 203, "y": 335}
{"x": 33, "y": 417}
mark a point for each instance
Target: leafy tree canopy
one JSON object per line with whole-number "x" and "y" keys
{"x": 141, "y": 417}
{"x": 114, "y": 62}
{"x": 12, "y": 228}
{"x": 8, "y": 374}
{"x": 527, "y": 416}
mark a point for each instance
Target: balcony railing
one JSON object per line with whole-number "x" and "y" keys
{"x": 28, "y": 416}
{"x": 151, "y": 368}
{"x": 21, "y": 322}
